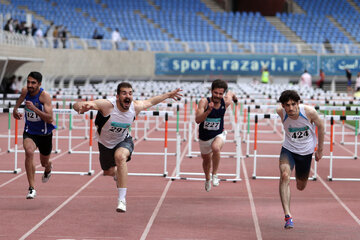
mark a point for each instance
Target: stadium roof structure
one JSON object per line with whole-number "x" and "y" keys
{"x": 9, "y": 65}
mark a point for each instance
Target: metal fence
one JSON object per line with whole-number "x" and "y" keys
{"x": 172, "y": 46}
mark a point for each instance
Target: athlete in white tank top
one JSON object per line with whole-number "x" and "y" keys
{"x": 300, "y": 137}
{"x": 113, "y": 131}
{"x": 299, "y": 123}
{"x": 116, "y": 129}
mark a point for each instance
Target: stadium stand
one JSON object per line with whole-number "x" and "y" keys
{"x": 167, "y": 25}
{"x": 322, "y": 27}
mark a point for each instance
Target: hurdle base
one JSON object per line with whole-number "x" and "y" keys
{"x": 57, "y": 151}
{"x": 15, "y": 171}
{"x": 345, "y": 179}
{"x": 329, "y": 178}
{"x": 203, "y": 179}
{"x": 147, "y": 174}
{"x": 277, "y": 178}
{"x": 91, "y": 172}
{"x": 67, "y": 173}
{"x": 355, "y": 157}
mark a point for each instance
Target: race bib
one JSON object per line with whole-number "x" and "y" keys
{"x": 32, "y": 116}
{"x": 212, "y": 124}
{"x": 116, "y": 127}
{"x": 299, "y": 134}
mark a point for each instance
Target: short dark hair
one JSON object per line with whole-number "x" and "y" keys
{"x": 36, "y": 75}
{"x": 218, "y": 83}
{"x": 289, "y": 95}
{"x": 123, "y": 85}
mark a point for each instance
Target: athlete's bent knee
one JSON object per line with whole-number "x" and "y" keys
{"x": 120, "y": 160}
{"x": 285, "y": 176}
{"x": 216, "y": 150}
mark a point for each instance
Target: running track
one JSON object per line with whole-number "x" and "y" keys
{"x": 83, "y": 207}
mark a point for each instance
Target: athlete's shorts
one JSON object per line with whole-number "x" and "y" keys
{"x": 349, "y": 83}
{"x": 302, "y": 163}
{"x": 42, "y": 142}
{"x": 107, "y": 155}
{"x": 205, "y": 146}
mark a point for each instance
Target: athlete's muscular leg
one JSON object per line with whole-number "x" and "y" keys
{"x": 121, "y": 155}
{"x": 206, "y": 165}
{"x": 284, "y": 185}
{"x": 216, "y": 147}
{"x": 45, "y": 162}
{"x": 29, "y": 147}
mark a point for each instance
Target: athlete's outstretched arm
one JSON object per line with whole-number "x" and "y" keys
{"x": 101, "y": 105}
{"x": 141, "y": 105}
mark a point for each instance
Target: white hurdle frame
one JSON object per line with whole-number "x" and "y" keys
{"x": 238, "y": 156}
{"x": 255, "y": 155}
{"x": 165, "y": 153}
{"x": 16, "y": 169}
{"x": 332, "y": 118}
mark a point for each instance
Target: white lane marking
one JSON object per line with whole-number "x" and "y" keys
{"x": 252, "y": 204}
{"x": 39, "y": 165}
{"x": 161, "y": 200}
{"x": 59, "y": 207}
{"x": 69, "y": 199}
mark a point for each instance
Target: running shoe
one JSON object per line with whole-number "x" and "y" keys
{"x": 289, "y": 222}
{"x": 31, "y": 194}
{"x": 46, "y": 176}
{"x": 216, "y": 180}
{"x": 121, "y": 206}
{"x": 207, "y": 185}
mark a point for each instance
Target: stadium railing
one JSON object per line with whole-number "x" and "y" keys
{"x": 172, "y": 46}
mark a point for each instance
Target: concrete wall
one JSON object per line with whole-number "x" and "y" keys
{"x": 83, "y": 62}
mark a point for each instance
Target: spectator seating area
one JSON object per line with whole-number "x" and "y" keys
{"x": 148, "y": 24}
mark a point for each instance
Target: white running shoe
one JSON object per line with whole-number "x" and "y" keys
{"x": 46, "y": 176}
{"x": 121, "y": 206}
{"x": 216, "y": 180}
{"x": 207, "y": 185}
{"x": 31, "y": 194}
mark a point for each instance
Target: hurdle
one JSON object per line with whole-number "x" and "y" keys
{"x": 165, "y": 153}
{"x": 332, "y": 118}
{"x": 179, "y": 175}
{"x": 170, "y": 113}
{"x": 191, "y": 153}
{"x": 247, "y": 131}
{"x": 255, "y": 155}
{"x": 16, "y": 151}
{"x": 236, "y": 175}
{"x": 90, "y": 171}
{"x": 57, "y": 137}
{"x": 16, "y": 169}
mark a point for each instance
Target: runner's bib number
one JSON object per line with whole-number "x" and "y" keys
{"x": 32, "y": 116}
{"x": 212, "y": 124}
{"x": 299, "y": 136}
{"x": 117, "y": 127}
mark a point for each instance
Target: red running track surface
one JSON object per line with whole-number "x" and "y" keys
{"x": 83, "y": 207}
